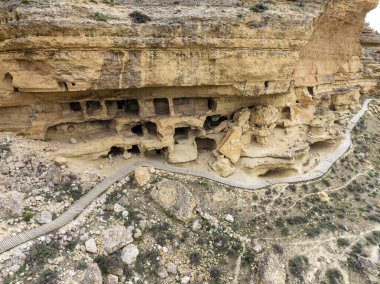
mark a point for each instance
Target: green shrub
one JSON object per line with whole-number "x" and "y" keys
{"x": 277, "y": 249}
{"x": 292, "y": 188}
{"x": 297, "y": 220}
{"x": 248, "y": 258}
{"x": 109, "y": 2}
{"x": 104, "y": 263}
{"x": 259, "y": 8}
{"x": 373, "y": 238}
{"x": 147, "y": 260}
{"x": 298, "y": 265}
{"x": 100, "y": 17}
{"x": 342, "y": 242}
{"x": 139, "y": 18}
{"x": 40, "y": 253}
{"x": 215, "y": 273}
{"x": 313, "y": 232}
{"x": 48, "y": 276}
{"x": 81, "y": 265}
{"x": 285, "y": 231}
{"x": 374, "y": 217}
{"x": 334, "y": 276}
{"x": 27, "y": 215}
{"x": 6, "y": 147}
{"x": 195, "y": 258}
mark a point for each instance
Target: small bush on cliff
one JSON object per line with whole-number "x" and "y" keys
{"x": 139, "y": 18}
{"x": 100, "y": 17}
{"x": 259, "y": 8}
{"x": 334, "y": 276}
{"x": 298, "y": 265}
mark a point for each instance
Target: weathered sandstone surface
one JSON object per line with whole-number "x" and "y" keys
{"x": 179, "y": 80}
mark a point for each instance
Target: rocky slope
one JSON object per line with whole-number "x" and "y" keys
{"x": 159, "y": 227}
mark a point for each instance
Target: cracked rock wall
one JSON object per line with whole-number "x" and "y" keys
{"x": 190, "y": 78}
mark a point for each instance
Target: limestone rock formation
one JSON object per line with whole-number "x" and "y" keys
{"x": 271, "y": 270}
{"x": 129, "y": 254}
{"x": 223, "y": 166}
{"x": 180, "y": 85}
{"x": 92, "y": 275}
{"x": 175, "y": 198}
{"x": 116, "y": 237}
{"x": 11, "y": 204}
{"x": 142, "y": 176}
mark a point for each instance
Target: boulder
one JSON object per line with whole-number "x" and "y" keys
{"x": 11, "y": 204}
{"x": 368, "y": 265}
{"x": 4, "y": 168}
{"x": 112, "y": 279}
{"x": 264, "y": 115}
{"x": 45, "y": 217}
{"x": 142, "y": 176}
{"x": 117, "y": 237}
{"x": 91, "y": 246}
{"x": 172, "y": 268}
{"x": 92, "y": 275}
{"x": 182, "y": 153}
{"x": 129, "y": 254}
{"x": 231, "y": 146}
{"x": 241, "y": 117}
{"x": 271, "y": 270}
{"x": 223, "y": 166}
{"x": 175, "y": 198}
{"x": 162, "y": 273}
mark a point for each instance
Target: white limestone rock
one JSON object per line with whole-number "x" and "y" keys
{"x": 92, "y": 275}
{"x": 129, "y": 254}
{"x": 91, "y": 246}
{"x": 116, "y": 237}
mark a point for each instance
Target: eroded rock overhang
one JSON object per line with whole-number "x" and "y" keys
{"x": 258, "y": 89}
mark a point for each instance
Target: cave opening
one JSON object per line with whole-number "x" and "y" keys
{"x": 182, "y": 132}
{"x": 63, "y": 86}
{"x": 212, "y": 104}
{"x": 205, "y": 144}
{"x": 134, "y": 149}
{"x": 286, "y": 114}
{"x": 266, "y": 84}
{"x": 75, "y": 106}
{"x": 157, "y": 153}
{"x": 278, "y": 172}
{"x": 320, "y": 145}
{"x": 93, "y": 105}
{"x": 161, "y": 106}
{"x": 311, "y": 90}
{"x": 132, "y": 107}
{"x": 184, "y": 106}
{"x": 138, "y": 130}
{"x": 151, "y": 128}
{"x": 116, "y": 151}
{"x": 8, "y": 78}
{"x": 213, "y": 121}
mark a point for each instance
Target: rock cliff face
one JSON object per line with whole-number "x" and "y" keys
{"x": 263, "y": 82}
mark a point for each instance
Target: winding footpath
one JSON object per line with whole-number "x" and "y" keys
{"x": 14, "y": 241}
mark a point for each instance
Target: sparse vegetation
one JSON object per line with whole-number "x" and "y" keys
{"x": 342, "y": 242}
{"x": 334, "y": 276}
{"x": 39, "y": 254}
{"x": 100, "y": 17}
{"x": 139, "y": 17}
{"x": 48, "y": 276}
{"x": 298, "y": 265}
{"x": 259, "y": 8}
{"x": 195, "y": 258}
